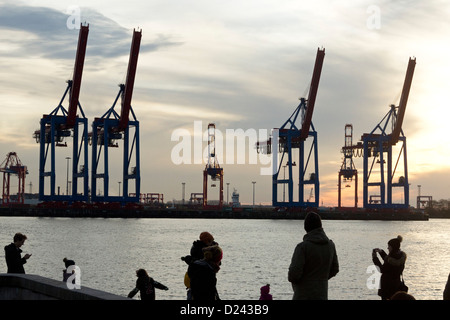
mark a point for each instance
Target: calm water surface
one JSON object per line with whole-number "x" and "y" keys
{"x": 256, "y": 252}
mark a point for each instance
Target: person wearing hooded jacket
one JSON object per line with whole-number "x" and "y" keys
{"x": 391, "y": 269}
{"x": 313, "y": 263}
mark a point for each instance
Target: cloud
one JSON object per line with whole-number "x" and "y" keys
{"x": 49, "y": 33}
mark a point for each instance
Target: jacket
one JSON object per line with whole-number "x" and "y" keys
{"x": 391, "y": 269}
{"x": 14, "y": 260}
{"x": 313, "y": 263}
{"x": 203, "y": 280}
{"x": 146, "y": 287}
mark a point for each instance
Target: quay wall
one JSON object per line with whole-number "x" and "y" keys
{"x": 34, "y": 287}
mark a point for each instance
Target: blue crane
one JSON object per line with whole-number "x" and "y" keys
{"x": 111, "y": 127}
{"x": 290, "y": 137}
{"x": 61, "y": 125}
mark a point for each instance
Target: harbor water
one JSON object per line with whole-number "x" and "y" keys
{"x": 256, "y": 252}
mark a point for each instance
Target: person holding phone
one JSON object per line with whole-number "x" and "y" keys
{"x": 13, "y": 254}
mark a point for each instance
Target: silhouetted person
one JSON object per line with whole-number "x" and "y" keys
{"x": 145, "y": 285}
{"x": 206, "y": 239}
{"x": 313, "y": 263}
{"x": 66, "y": 274}
{"x": 265, "y": 293}
{"x": 391, "y": 269}
{"x": 447, "y": 289}
{"x": 14, "y": 260}
{"x": 202, "y": 274}
{"x": 402, "y": 295}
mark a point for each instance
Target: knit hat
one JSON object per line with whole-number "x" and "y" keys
{"x": 213, "y": 253}
{"x": 206, "y": 237}
{"x": 312, "y": 221}
{"x": 395, "y": 243}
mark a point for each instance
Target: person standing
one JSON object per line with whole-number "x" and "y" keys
{"x": 206, "y": 239}
{"x": 313, "y": 262}
{"x": 202, "y": 274}
{"x": 145, "y": 285}
{"x": 391, "y": 269}
{"x": 14, "y": 259}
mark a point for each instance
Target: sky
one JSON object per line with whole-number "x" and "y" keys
{"x": 242, "y": 65}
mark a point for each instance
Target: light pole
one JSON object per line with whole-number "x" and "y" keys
{"x": 228, "y": 201}
{"x": 254, "y": 182}
{"x": 119, "y": 182}
{"x": 67, "y": 176}
{"x": 183, "y": 191}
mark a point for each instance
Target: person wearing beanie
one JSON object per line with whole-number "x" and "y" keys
{"x": 391, "y": 269}
{"x": 202, "y": 274}
{"x": 206, "y": 239}
{"x": 313, "y": 262}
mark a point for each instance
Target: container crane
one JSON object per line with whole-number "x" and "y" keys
{"x": 60, "y": 125}
{"x": 212, "y": 169}
{"x": 113, "y": 126}
{"x": 378, "y": 145}
{"x": 348, "y": 172}
{"x": 288, "y": 138}
{"x": 13, "y": 165}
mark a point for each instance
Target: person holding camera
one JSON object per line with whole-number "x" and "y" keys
{"x": 391, "y": 269}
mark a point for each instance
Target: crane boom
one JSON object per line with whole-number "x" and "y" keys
{"x": 403, "y": 100}
{"x": 131, "y": 73}
{"x": 312, "y": 93}
{"x": 77, "y": 75}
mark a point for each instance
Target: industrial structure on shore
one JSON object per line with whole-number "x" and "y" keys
{"x": 294, "y": 147}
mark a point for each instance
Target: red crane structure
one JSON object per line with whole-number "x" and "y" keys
{"x": 61, "y": 124}
{"x": 111, "y": 127}
{"x": 212, "y": 169}
{"x": 13, "y": 165}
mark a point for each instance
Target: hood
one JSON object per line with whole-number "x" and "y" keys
{"x": 316, "y": 236}
{"x": 265, "y": 289}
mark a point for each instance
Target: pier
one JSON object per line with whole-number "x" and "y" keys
{"x": 33, "y": 287}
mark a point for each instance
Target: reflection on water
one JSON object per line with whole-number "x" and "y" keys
{"x": 256, "y": 252}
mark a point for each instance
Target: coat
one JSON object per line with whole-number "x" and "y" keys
{"x": 391, "y": 270}
{"x": 14, "y": 260}
{"x": 313, "y": 263}
{"x": 203, "y": 280}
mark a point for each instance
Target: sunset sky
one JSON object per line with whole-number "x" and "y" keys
{"x": 240, "y": 65}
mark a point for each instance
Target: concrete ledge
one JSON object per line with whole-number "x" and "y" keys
{"x": 34, "y": 287}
